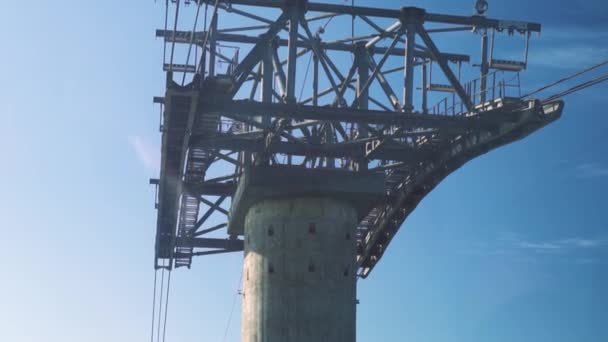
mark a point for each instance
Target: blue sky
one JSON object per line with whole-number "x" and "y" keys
{"x": 512, "y": 247}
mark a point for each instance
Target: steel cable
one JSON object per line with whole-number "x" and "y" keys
{"x": 236, "y": 295}
{"x": 577, "y": 88}
{"x": 166, "y": 305}
{"x": 305, "y": 77}
{"x": 160, "y": 307}
{"x": 153, "y": 306}
{"x": 565, "y": 79}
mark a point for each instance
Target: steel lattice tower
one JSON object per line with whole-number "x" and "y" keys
{"x": 314, "y": 188}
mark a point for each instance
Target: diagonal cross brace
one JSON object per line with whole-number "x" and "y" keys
{"x": 254, "y": 56}
{"x": 443, "y": 64}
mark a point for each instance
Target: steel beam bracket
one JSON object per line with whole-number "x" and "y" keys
{"x": 301, "y": 5}
{"x": 360, "y": 48}
{"x": 412, "y": 15}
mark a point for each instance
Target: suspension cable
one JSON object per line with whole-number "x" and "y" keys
{"x": 160, "y": 307}
{"x": 578, "y": 87}
{"x": 153, "y": 306}
{"x": 566, "y": 79}
{"x": 198, "y": 8}
{"x": 167, "y": 305}
{"x": 236, "y": 295}
{"x": 305, "y": 77}
{"x": 328, "y": 21}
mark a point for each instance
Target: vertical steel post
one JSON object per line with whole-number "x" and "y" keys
{"x": 363, "y": 66}
{"x": 362, "y": 63}
{"x": 315, "y": 90}
{"x": 203, "y": 63}
{"x": 408, "y": 86}
{"x": 267, "y": 78}
{"x": 484, "y": 65}
{"x": 266, "y": 90}
{"x": 292, "y": 58}
{"x": 328, "y": 132}
{"x": 294, "y": 22}
{"x": 411, "y": 19}
{"x": 212, "y": 45}
{"x": 315, "y": 80}
{"x": 526, "y": 51}
{"x": 493, "y": 85}
{"x": 424, "y": 89}
{"x": 278, "y": 69}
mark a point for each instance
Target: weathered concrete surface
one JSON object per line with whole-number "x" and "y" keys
{"x": 362, "y": 190}
{"x": 299, "y": 271}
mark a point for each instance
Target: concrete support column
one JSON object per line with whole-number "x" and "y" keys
{"x": 299, "y": 280}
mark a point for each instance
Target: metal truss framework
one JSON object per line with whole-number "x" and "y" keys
{"x": 251, "y": 114}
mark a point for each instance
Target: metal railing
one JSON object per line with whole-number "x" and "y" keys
{"x": 497, "y": 86}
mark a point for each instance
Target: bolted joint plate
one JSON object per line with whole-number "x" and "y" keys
{"x": 300, "y": 6}
{"x": 412, "y": 15}
{"x": 362, "y": 189}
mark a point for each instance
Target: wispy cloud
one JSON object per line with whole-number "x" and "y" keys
{"x": 146, "y": 152}
{"x": 539, "y": 246}
{"x": 519, "y": 247}
{"x": 563, "y": 245}
{"x": 591, "y": 170}
{"x": 583, "y": 243}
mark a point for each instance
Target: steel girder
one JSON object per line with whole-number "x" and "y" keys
{"x": 216, "y": 125}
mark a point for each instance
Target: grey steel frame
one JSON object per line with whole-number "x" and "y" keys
{"x": 204, "y": 123}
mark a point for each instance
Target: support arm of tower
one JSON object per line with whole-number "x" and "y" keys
{"x": 356, "y": 150}
{"x": 183, "y": 37}
{"x": 477, "y": 21}
{"x": 407, "y": 194}
{"x": 300, "y": 112}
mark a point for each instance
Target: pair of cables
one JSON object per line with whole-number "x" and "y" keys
{"x": 574, "y": 89}
{"x": 159, "y": 321}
